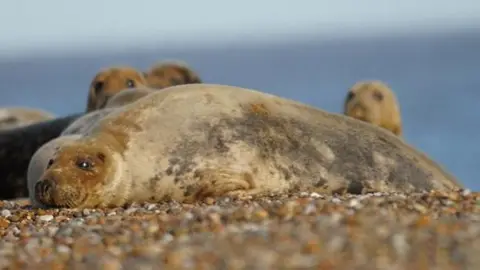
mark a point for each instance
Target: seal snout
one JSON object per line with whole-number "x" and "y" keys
{"x": 51, "y": 193}
{"x": 44, "y": 190}
{"x": 358, "y": 112}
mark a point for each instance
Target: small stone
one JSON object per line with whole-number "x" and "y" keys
{"x": 310, "y": 209}
{"x": 354, "y": 203}
{"x": 167, "y": 238}
{"x": 4, "y": 223}
{"x": 46, "y": 218}
{"x": 52, "y": 231}
{"x": 14, "y": 218}
{"x": 6, "y": 213}
{"x": 215, "y": 218}
{"x": 311, "y": 247}
{"x": 400, "y": 243}
{"x": 209, "y": 200}
{"x": 303, "y": 194}
{"x": 315, "y": 195}
{"x": 63, "y": 249}
{"x": 151, "y": 206}
{"x": 188, "y": 216}
{"x": 260, "y": 214}
{"x": 131, "y": 210}
{"x": 336, "y": 200}
{"x": 420, "y": 208}
{"x": 61, "y": 218}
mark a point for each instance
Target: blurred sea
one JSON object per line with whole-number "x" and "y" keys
{"x": 435, "y": 76}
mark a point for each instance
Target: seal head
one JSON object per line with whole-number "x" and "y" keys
{"x": 375, "y": 103}
{"x": 170, "y": 73}
{"x": 110, "y": 81}
{"x": 83, "y": 172}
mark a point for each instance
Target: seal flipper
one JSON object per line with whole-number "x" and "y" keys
{"x": 220, "y": 182}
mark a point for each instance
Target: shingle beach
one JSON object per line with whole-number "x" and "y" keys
{"x": 301, "y": 230}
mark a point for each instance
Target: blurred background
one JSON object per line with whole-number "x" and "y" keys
{"x": 427, "y": 51}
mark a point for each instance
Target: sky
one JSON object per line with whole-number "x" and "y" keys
{"x": 54, "y": 25}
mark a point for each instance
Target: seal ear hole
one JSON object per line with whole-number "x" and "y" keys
{"x": 50, "y": 162}
{"x": 101, "y": 156}
{"x": 377, "y": 96}
{"x": 97, "y": 87}
{"x": 130, "y": 83}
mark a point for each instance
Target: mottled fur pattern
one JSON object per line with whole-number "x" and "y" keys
{"x": 192, "y": 141}
{"x": 375, "y": 103}
{"x": 13, "y": 117}
{"x": 109, "y": 81}
{"x": 170, "y": 73}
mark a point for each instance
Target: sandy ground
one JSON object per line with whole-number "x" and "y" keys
{"x": 301, "y": 230}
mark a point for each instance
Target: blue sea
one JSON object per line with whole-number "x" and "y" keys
{"x": 435, "y": 76}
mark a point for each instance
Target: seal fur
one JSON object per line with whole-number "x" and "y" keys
{"x": 375, "y": 103}
{"x": 203, "y": 140}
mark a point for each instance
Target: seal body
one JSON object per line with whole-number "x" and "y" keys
{"x": 170, "y": 73}
{"x": 13, "y": 117}
{"x": 194, "y": 141}
{"x": 375, "y": 103}
{"x": 109, "y": 81}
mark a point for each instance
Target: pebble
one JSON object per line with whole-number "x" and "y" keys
{"x": 151, "y": 206}
{"x": 46, "y": 218}
{"x": 335, "y": 200}
{"x": 296, "y": 230}
{"x": 354, "y": 203}
{"x": 6, "y": 213}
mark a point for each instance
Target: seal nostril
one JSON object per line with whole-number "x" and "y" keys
{"x": 43, "y": 187}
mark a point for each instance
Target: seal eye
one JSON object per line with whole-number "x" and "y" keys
{"x": 130, "y": 83}
{"x": 97, "y": 87}
{"x": 50, "y": 162}
{"x": 377, "y": 96}
{"x": 350, "y": 95}
{"x": 175, "y": 81}
{"x": 84, "y": 164}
